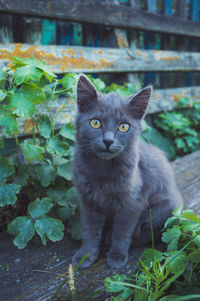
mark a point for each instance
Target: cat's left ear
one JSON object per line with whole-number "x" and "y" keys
{"x": 138, "y": 103}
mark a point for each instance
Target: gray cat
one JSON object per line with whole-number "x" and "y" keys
{"x": 119, "y": 177}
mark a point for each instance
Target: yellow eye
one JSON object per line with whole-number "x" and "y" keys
{"x": 123, "y": 127}
{"x": 95, "y": 123}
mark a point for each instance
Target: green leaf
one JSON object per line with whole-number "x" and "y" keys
{"x": 197, "y": 241}
{"x": 194, "y": 256}
{"x": 46, "y": 173}
{"x": 6, "y": 169}
{"x": 2, "y": 95}
{"x": 44, "y": 126}
{"x": 178, "y": 263}
{"x": 18, "y": 62}
{"x": 3, "y": 76}
{"x": 177, "y": 212}
{"x": 153, "y": 136}
{"x": 26, "y": 73}
{"x": 33, "y": 93}
{"x": 32, "y": 153}
{"x": 9, "y": 123}
{"x": 40, "y": 207}
{"x": 65, "y": 171}
{"x": 73, "y": 197}
{"x": 112, "y": 284}
{"x": 149, "y": 256}
{"x": 51, "y": 228}
{"x": 171, "y": 237}
{"x": 65, "y": 212}
{"x": 21, "y": 105}
{"x": 57, "y": 146}
{"x": 68, "y": 131}
{"x": 171, "y": 221}
{"x": 189, "y": 214}
{"x": 58, "y": 196}
{"x": 1, "y": 143}
{"x": 22, "y": 175}
{"x": 75, "y": 227}
{"x": 22, "y": 227}
{"x": 8, "y": 194}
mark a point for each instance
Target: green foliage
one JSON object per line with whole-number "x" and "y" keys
{"x": 35, "y": 176}
{"x": 181, "y": 127}
{"x": 173, "y": 274}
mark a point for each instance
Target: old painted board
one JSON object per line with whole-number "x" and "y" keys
{"x": 98, "y": 12}
{"x": 94, "y": 60}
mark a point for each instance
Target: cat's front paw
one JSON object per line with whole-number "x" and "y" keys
{"x": 90, "y": 259}
{"x": 116, "y": 259}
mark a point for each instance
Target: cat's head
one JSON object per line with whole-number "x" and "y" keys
{"x": 107, "y": 124}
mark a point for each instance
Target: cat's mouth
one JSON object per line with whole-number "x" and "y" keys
{"x": 107, "y": 154}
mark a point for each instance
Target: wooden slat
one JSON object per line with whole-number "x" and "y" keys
{"x": 86, "y": 59}
{"x": 165, "y": 99}
{"x": 94, "y": 11}
{"x": 33, "y": 271}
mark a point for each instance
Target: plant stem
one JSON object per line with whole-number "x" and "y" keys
{"x": 17, "y": 142}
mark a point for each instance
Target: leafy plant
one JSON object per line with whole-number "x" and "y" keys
{"x": 35, "y": 175}
{"x": 181, "y": 126}
{"x": 173, "y": 274}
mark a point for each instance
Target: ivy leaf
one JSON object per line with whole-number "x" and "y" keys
{"x": 32, "y": 153}
{"x": 6, "y": 169}
{"x": 26, "y": 73}
{"x": 73, "y": 197}
{"x": 75, "y": 227}
{"x": 68, "y": 131}
{"x": 9, "y": 123}
{"x": 57, "y": 146}
{"x": 171, "y": 237}
{"x": 8, "y": 194}
{"x": 40, "y": 207}
{"x": 65, "y": 171}
{"x": 22, "y": 175}
{"x": 51, "y": 228}
{"x": 46, "y": 173}
{"x": 44, "y": 126}
{"x": 22, "y": 227}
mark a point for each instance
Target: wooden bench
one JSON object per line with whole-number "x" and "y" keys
{"x": 33, "y": 271}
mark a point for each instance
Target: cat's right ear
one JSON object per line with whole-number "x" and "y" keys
{"x": 87, "y": 94}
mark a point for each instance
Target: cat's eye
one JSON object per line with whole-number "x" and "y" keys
{"x": 123, "y": 127}
{"x": 95, "y": 123}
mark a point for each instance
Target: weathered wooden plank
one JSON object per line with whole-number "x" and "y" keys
{"x": 33, "y": 271}
{"x": 86, "y": 59}
{"x": 163, "y": 99}
{"x": 99, "y": 12}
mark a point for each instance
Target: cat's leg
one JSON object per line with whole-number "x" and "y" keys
{"x": 160, "y": 212}
{"x": 124, "y": 224}
{"x": 92, "y": 226}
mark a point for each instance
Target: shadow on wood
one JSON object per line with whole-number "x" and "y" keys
{"x": 33, "y": 271}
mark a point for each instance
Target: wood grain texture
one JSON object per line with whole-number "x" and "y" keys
{"x": 33, "y": 271}
{"x": 101, "y": 12}
{"x": 95, "y": 60}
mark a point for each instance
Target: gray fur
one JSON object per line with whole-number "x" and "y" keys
{"x": 120, "y": 183}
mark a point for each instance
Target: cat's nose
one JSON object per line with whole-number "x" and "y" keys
{"x": 108, "y": 139}
{"x": 108, "y": 142}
